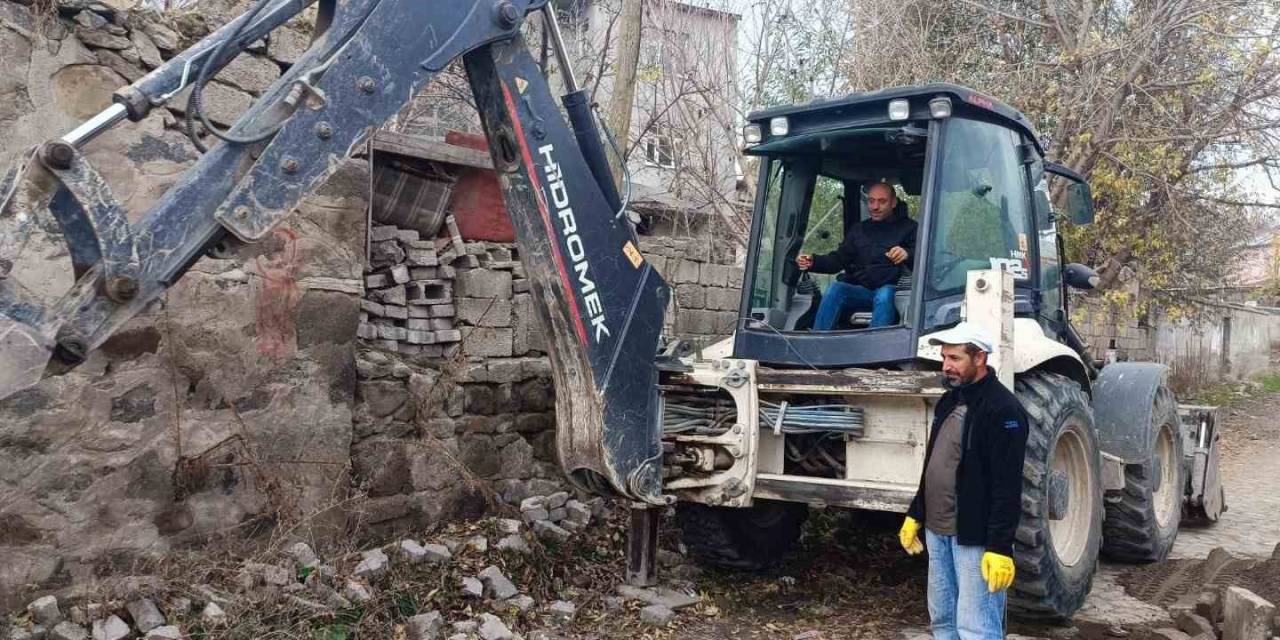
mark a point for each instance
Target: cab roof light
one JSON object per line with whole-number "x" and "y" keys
{"x": 752, "y": 134}
{"x": 899, "y": 109}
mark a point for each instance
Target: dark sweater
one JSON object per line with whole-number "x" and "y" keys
{"x": 989, "y": 477}
{"x": 861, "y": 255}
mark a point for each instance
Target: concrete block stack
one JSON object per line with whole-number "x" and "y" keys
{"x": 408, "y": 304}
{"x": 705, "y": 284}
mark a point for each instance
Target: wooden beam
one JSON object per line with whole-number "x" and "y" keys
{"x": 423, "y": 149}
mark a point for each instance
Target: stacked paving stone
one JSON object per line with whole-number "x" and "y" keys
{"x": 557, "y": 516}
{"x": 408, "y": 305}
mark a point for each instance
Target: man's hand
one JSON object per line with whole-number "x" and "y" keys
{"x": 997, "y": 570}
{"x": 908, "y": 536}
{"x": 804, "y": 261}
{"x": 896, "y": 254}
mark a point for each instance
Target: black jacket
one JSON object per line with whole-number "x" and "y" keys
{"x": 989, "y": 477}
{"x": 861, "y": 255}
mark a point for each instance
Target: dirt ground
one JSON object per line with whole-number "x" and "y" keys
{"x": 850, "y": 580}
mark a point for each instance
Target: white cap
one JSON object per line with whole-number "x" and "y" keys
{"x": 963, "y": 333}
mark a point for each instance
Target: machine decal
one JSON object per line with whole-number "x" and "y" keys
{"x": 633, "y": 254}
{"x": 573, "y": 242}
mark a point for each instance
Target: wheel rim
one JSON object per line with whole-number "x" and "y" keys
{"x": 1165, "y": 495}
{"x": 1070, "y": 535}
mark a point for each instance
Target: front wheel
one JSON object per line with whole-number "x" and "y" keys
{"x": 1057, "y": 541}
{"x": 749, "y": 539}
{"x": 1143, "y": 518}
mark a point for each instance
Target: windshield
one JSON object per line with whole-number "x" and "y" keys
{"x": 981, "y": 215}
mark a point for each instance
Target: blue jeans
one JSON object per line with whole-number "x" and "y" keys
{"x": 842, "y": 298}
{"x": 960, "y": 607}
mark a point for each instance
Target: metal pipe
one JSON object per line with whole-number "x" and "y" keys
{"x": 557, "y": 42}
{"x": 95, "y": 126}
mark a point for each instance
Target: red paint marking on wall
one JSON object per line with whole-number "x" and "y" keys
{"x": 276, "y": 303}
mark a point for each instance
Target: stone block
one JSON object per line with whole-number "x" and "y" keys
{"x": 1167, "y": 633}
{"x": 472, "y": 588}
{"x": 520, "y": 286}
{"x": 547, "y": 530}
{"x": 442, "y": 324}
{"x": 390, "y": 295}
{"x": 385, "y": 254}
{"x": 533, "y": 516}
{"x": 484, "y": 312}
{"x": 1193, "y": 624}
{"x": 722, "y": 299}
{"x": 399, "y": 274}
{"x": 714, "y": 275}
{"x": 656, "y": 615}
{"x": 112, "y": 628}
{"x": 167, "y": 632}
{"x": 45, "y": 611}
{"x": 484, "y": 283}
{"x": 690, "y": 296}
{"x": 485, "y": 342}
{"x": 421, "y": 258}
{"x": 558, "y": 514}
{"x": 356, "y": 592}
{"x": 1246, "y": 616}
{"x": 515, "y": 543}
{"x": 685, "y": 271}
{"x": 424, "y": 273}
{"x": 373, "y": 564}
{"x": 287, "y": 44}
{"x": 562, "y": 612}
{"x": 396, "y": 312}
{"x": 426, "y": 626}
{"x": 303, "y": 556}
{"x": 419, "y": 337}
{"x": 377, "y": 280}
{"x": 146, "y": 615}
{"x": 436, "y": 553}
{"x": 251, "y": 73}
{"x": 373, "y": 308}
{"x": 382, "y": 233}
{"x": 443, "y": 311}
{"x": 213, "y": 614}
{"x": 505, "y": 370}
{"x": 496, "y": 584}
{"x": 493, "y": 628}
{"x": 412, "y": 551}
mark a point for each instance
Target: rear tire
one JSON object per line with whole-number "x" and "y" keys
{"x": 1143, "y": 518}
{"x": 749, "y": 539}
{"x": 1056, "y": 545}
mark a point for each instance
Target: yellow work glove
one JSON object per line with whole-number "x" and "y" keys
{"x": 908, "y": 536}
{"x": 997, "y": 570}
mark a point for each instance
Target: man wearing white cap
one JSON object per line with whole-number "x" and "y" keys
{"x": 970, "y": 495}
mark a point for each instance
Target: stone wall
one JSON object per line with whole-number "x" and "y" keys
{"x": 224, "y": 410}
{"x": 456, "y": 408}
{"x": 706, "y": 285}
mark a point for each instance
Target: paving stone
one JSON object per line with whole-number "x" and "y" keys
{"x": 68, "y": 631}
{"x": 112, "y": 628}
{"x": 466, "y": 626}
{"x": 412, "y": 551}
{"x": 1193, "y": 624}
{"x": 1246, "y": 616}
{"x": 664, "y": 596}
{"x": 374, "y": 564}
{"x": 213, "y": 614}
{"x": 509, "y": 526}
{"x": 656, "y": 615}
{"x": 562, "y": 612}
{"x": 426, "y": 626}
{"x": 472, "y": 588}
{"x": 520, "y": 603}
{"x": 303, "y": 556}
{"x": 533, "y": 502}
{"x": 493, "y": 628}
{"x": 557, "y": 499}
{"x": 558, "y": 514}
{"x": 578, "y": 512}
{"x": 45, "y": 611}
{"x": 437, "y": 552}
{"x": 514, "y": 542}
{"x": 497, "y": 585}
{"x": 146, "y": 615}
{"x": 1169, "y": 634}
{"x": 167, "y": 632}
{"x": 356, "y": 592}
{"x": 382, "y": 233}
{"x": 547, "y": 530}
{"x": 535, "y": 515}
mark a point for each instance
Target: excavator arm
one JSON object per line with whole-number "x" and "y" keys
{"x": 601, "y": 304}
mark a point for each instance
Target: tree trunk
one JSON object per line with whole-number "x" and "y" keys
{"x": 624, "y": 84}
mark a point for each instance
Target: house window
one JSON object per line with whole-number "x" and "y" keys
{"x": 659, "y": 150}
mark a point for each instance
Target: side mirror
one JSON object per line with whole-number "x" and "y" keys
{"x": 1078, "y": 276}
{"x": 1079, "y": 198}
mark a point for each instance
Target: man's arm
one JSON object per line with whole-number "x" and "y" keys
{"x": 1005, "y": 453}
{"x": 837, "y": 260}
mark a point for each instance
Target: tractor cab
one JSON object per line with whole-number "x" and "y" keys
{"x": 969, "y": 171}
